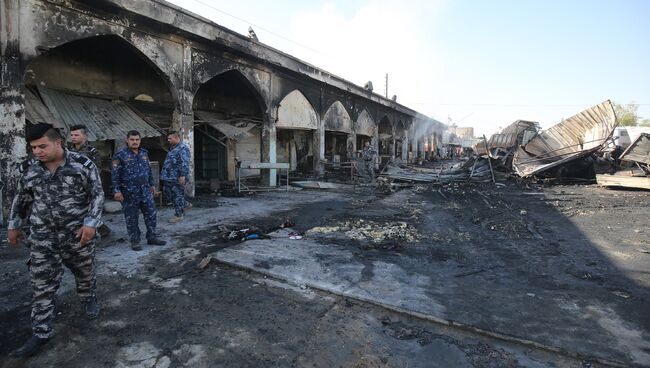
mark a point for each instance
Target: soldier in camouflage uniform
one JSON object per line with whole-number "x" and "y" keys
{"x": 79, "y": 143}
{"x": 64, "y": 194}
{"x": 174, "y": 175}
{"x": 133, "y": 186}
{"x": 368, "y": 155}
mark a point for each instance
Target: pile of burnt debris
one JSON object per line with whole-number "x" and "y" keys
{"x": 583, "y": 148}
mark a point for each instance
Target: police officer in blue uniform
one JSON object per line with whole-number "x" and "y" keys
{"x": 174, "y": 175}
{"x": 133, "y": 185}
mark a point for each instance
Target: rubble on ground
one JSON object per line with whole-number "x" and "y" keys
{"x": 475, "y": 169}
{"x": 376, "y": 232}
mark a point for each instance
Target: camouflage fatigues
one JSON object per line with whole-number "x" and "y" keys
{"x": 92, "y": 153}
{"x": 88, "y": 151}
{"x": 60, "y": 203}
{"x": 176, "y": 164}
{"x": 132, "y": 176}
{"x": 368, "y": 155}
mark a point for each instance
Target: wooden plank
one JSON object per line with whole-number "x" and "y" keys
{"x": 623, "y": 181}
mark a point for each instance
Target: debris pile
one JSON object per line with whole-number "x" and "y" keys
{"x": 638, "y": 176}
{"x": 475, "y": 169}
{"x": 501, "y": 146}
{"x": 375, "y": 232}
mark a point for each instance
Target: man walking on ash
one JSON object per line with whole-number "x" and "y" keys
{"x": 174, "y": 175}
{"x": 133, "y": 186}
{"x": 64, "y": 194}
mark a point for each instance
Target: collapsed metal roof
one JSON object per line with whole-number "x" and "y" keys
{"x": 104, "y": 119}
{"x": 575, "y": 137}
{"x": 235, "y": 129}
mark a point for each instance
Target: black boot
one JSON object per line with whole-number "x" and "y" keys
{"x": 92, "y": 308}
{"x": 135, "y": 246}
{"x": 29, "y": 348}
{"x": 156, "y": 241}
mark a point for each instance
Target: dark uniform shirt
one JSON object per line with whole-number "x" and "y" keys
{"x": 176, "y": 164}
{"x": 68, "y": 198}
{"x": 88, "y": 151}
{"x": 131, "y": 171}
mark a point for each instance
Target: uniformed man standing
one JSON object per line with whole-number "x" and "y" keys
{"x": 79, "y": 143}
{"x": 133, "y": 186}
{"x": 64, "y": 194}
{"x": 174, "y": 175}
{"x": 368, "y": 155}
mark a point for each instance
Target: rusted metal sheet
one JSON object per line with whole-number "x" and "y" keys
{"x": 639, "y": 150}
{"x": 104, "y": 119}
{"x": 36, "y": 112}
{"x": 573, "y": 138}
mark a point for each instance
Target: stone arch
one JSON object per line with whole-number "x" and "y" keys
{"x": 106, "y": 83}
{"x": 229, "y": 112}
{"x": 365, "y": 125}
{"x": 96, "y": 48}
{"x": 254, "y": 79}
{"x": 295, "y": 112}
{"x": 337, "y": 119}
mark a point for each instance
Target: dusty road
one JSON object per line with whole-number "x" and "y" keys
{"x": 531, "y": 277}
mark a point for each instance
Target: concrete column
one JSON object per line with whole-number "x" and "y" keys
{"x": 421, "y": 144}
{"x": 375, "y": 143}
{"x": 351, "y": 146}
{"x": 414, "y": 148}
{"x": 319, "y": 149}
{"x": 269, "y": 146}
{"x": 405, "y": 146}
{"x": 393, "y": 143}
{"x": 183, "y": 118}
{"x": 12, "y": 104}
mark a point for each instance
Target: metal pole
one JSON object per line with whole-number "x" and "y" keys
{"x": 386, "y": 85}
{"x": 488, "y": 157}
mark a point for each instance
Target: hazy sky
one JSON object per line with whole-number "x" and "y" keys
{"x": 479, "y": 63}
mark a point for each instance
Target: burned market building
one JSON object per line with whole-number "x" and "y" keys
{"x": 117, "y": 65}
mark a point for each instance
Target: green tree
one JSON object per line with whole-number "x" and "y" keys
{"x": 645, "y": 123}
{"x": 627, "y": 114}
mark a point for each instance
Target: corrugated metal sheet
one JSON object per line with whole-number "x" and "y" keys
{"x": 575, "y": 137}
{"x": 235, "y": 130}
{"x": 36, "y": 111}
{"x": 639, "y": 150}
{"x": 104, "y": 119}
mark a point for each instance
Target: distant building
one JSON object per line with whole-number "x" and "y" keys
{"x": 465, "y": 133}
